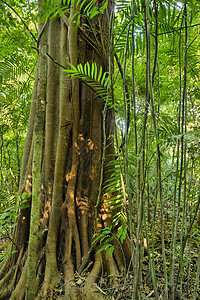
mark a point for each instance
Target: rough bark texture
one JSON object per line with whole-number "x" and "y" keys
{"x": 70, "y": 172}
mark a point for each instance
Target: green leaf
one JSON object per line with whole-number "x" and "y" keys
{"x": 103, "y": 78}
{"x": 96, "y": 71}
{"x": 106, "y": 231}
{"x": 100, "y": 73}
{"x": 78, "y": 20}
{"x": 82, "y": 3}
{"x": 73, "y": 17}
{"x": 110, "y": 250}
{"x": 92, "y": 70}
{"x": 88, "y": 68}
{"x": 89, "y": 5}
{"x": 23, "y": 205}
{"x": 59, "y": 12}
{"x": 24, "y": 196}
{"x": 77, "y": 4}
{"x": 106, "y": 81}
{"x": 94, "y": 12}
{"x": 80, "y": 68}
{"x": 102, "y": 239}
{"x": 85, "y": 69}
{"x": 102, "y": 8}
{"x": 72, "y": 66}
{"x": 104, "y": 247}
{"x": 48, "y": 12}
{"x": 124, "y": 234}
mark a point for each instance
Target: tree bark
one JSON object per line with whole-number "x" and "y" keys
{"x": 69, "y": 170}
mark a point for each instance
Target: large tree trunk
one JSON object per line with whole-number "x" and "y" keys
{"x": 69, "y": 165}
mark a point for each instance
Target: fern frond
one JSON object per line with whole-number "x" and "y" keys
{"x": 53, "y": 9}
{"x": 90, "y": 75}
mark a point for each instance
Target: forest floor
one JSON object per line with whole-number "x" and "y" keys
{"x": 123, "y": 290}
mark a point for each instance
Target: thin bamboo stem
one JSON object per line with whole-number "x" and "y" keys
{"x": 157, "y": 146}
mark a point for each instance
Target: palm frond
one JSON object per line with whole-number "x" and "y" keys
{"x": 92, "y": 76}
{"x": 53, "y": 9}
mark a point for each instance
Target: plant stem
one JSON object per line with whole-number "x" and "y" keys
{"x": 157, "y": 145}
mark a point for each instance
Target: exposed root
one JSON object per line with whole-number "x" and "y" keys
{"x": 6, "y": 278}
{"x": 5, "y": 285}
{"x": 17, "y": 265}
{"x": 119, "y": 255}
{"x": 51, "y": 280}
{"x": 19, "y": 291}
{"x": 71, "y": 291}
{"x": 96, "y": 270}
{"x": 4, "y": 267}
{"x": 112, "y": 269}
{"x": 90, "y": 289}
{"x": 92, "y": 292}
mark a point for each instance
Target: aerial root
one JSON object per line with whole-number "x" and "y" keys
{"x": 4, "y": 267}
{"x": 6, "y": 278}
{"x": 19, "y": 291}
{"x": 17, "y": 265}
{"x": 5, "y": 284}
{"x": 112, "y": 269}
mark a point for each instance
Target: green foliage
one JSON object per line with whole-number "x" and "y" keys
{"x": 17, "y": 68}
{"x": 8, "y": 252}
{"x": 53, "y": 9}
{"x": 196, "y": 235}
{"x": 10, "y": 209}
{"x": 9, "y": 215}
{"x": 118, "y": 229}
{"x": 105, "y": 237}
{"x": 91, "y": 75}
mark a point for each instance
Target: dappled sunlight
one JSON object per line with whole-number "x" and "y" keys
{"x": 91, "y": 145}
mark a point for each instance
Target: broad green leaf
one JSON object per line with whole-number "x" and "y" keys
{"x": 104, "y": 247}
{"x": 93, "y": 12}
{"x": 110, "y": 250}
{"x": 25, "y": 196}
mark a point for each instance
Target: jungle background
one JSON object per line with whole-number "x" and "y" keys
{"x": 155, "y": 91}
